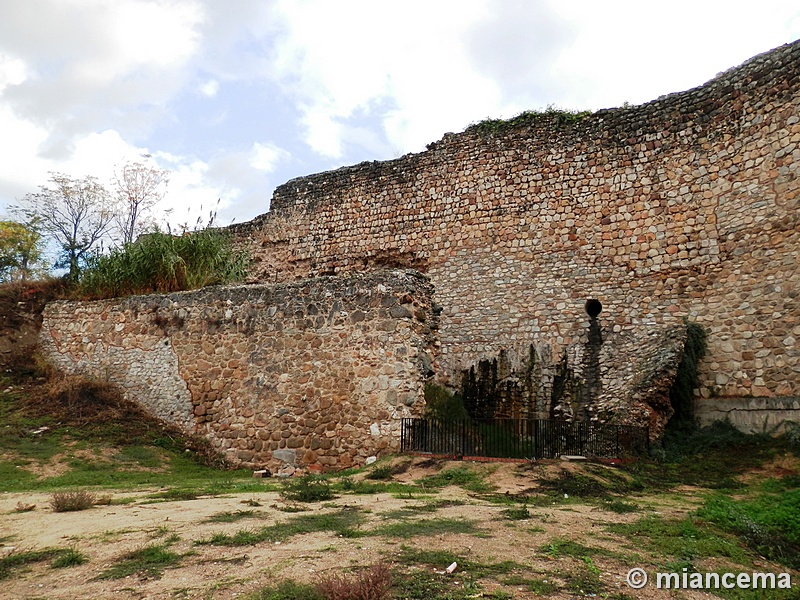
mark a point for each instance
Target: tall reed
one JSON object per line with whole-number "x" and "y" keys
{"x": 161, "y": 262}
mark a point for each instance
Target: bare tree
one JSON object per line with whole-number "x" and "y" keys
{"x": 138, "y": 188}
{"x": 75, "y": 213}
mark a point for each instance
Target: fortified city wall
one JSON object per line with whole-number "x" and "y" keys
{"x": 549, "y": 262}
{"x": 682, "y": 208}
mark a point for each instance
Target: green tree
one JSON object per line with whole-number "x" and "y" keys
{"x": 20, "y": 250}
{"x": 75, "y": 213}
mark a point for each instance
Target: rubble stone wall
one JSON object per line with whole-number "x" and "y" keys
{"x": 686, "y": 207}
{"x": 312, "y": 372}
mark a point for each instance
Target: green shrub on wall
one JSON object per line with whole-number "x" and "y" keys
{"x": 441, "y": 403}
{"x": 681, "y": 394}
{"x": 161, "y": 262}
{"x": 555, "y": 116}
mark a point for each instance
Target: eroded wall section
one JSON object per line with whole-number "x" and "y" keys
{"x": 313, "y": 372}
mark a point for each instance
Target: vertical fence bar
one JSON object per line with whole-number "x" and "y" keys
{"x": 520, "y": 438}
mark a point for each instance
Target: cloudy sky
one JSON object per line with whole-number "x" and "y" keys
{"x": 235, "y": 97}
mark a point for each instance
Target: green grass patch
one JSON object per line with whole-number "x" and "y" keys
{"x": 585, "y": 579}
{"x": 711, "y": 457}
{"x": 58, "y": 557}
{"x": 400, "y": 490}
{"x": 516, "y": 513}
{"x": 310, "y": 488}
{"x": 232, "y": 517}
{"x": 176, "y": 494}
{"x": 287, "y": 590}
{"x": 553, "y": 116}
{"x": 424, "y": 508}
{"x": 683, "y": 540}
{"x": 14, "y": 477}
{"x": 620, "y": 507}
{"x": 101, "y": 474}
{"x": 463, "y": 477}
{"x": 427, "y": 527}
{"x": 161, "y": 262}
{"x": 469, "y": 571}
{"x": 149, "y": 561}
{"x": 30, "y": 446}
{"x": 343, "y": 523}
{"x": 141, "y": 456}
{"x": 540, "y": 587}
{"x": 94, "y": 417}
{"x": 70, "y": 557}
{"x": 578, "y": 485}
{"x": 769, "y": 524}
{"x": 425, "y": 585}
{"x": 563, "y": 547}
{"x": 381, "y": 473}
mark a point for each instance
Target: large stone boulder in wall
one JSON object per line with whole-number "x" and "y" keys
{"x": 639, "y": 369}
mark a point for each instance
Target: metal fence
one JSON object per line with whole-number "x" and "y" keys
{"x": 521, "y": 438}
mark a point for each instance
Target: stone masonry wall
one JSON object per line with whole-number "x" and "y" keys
{"x": 312, "y": 372}
{"x": 682, "y": 208}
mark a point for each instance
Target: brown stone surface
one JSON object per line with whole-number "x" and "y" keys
{"x": 685, "y": 207}
{"x": 270, "y": 374}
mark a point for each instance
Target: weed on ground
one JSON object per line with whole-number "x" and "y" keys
{"x": 232, "y": 517}
{"x": 58, "y": 558}
{"x": 464, "y": 477}
{"x": 342, "y": 523}
{"x": 149, "y": 561}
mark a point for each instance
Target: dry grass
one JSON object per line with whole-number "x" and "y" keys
{"x": 72, "y": 501}
{"x": 373, "y": 583}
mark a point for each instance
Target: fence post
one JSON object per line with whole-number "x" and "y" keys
{"x": 507, "y": 438}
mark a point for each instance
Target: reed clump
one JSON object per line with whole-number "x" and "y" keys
{"x": 160, "y": 262}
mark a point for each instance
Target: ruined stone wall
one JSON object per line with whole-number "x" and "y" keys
{"x": 682, "y": 208}
{"x": 314, "y": 372}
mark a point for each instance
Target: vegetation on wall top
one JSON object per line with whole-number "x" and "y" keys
{"x": 559, "y": 117}
{"x": 161, "y": 263}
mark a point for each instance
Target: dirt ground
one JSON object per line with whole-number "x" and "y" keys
{"x": 104, "y": 533}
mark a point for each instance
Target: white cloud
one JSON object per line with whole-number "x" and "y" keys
{"x": 265, "y": 157}
{"x": 13, "y": 71}
{"x": 424, "y": 68}
{"x": 210, "y": 88}
{"x": 342, "y": 58}
{"x": 191, "y": 197}
{"x": 232, "y": 185}
{"x": 89, "y": 63}
{"x": 635, "y": 51}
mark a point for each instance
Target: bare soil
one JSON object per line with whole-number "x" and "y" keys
{"x": 105, "y": 533}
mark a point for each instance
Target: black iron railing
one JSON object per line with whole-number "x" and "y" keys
{"x": 521, "y": 438}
